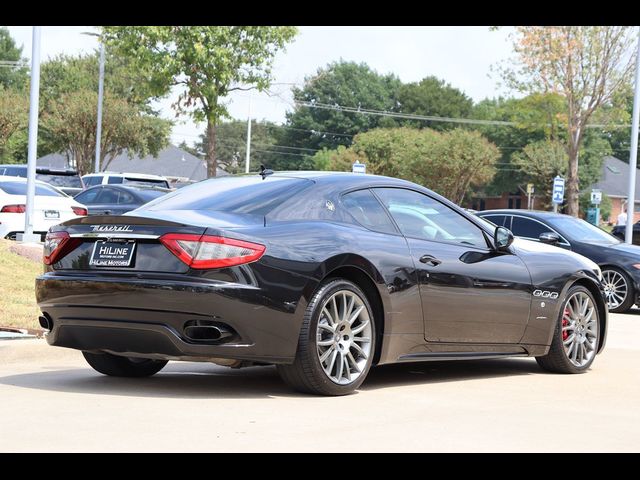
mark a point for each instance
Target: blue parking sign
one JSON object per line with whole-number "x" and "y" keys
{"x": 558, "y": 190}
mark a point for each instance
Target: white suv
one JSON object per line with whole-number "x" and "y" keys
{"x": 111, "y": 178}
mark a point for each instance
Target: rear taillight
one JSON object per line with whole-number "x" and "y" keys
{"x": 13, "y": 209}
{"x": 208, "y": 251}
{"x": 57, "y": 245}
{"x": 80, "y": 211}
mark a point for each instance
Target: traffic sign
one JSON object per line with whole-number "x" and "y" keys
{"x": 557, "y": 195}
{"x": 596, "y": 197}
{"x": 530, "y": 188}
{"x": 359, "y": 167}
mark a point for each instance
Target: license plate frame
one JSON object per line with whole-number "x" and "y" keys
{"x": 113, "y": 258}
{"x": 52, "y": 214}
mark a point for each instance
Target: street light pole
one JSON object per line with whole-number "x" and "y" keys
{"x": 99, "y": 121}
{"x": 34, "y": 97}
{"x": 633, "y": 158}
{"x": 247, "y": 159}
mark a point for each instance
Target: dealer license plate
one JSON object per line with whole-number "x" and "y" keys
{"x": 51, "y": 214}
{"x": 112, "y": 254}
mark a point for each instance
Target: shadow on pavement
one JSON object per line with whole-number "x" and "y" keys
{"x": 194, "y": 380}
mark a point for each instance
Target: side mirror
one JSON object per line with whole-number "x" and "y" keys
{"x": 502, "y": 238}
{"x": 549, "y": 237}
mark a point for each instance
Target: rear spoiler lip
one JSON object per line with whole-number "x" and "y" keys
{"x": 120, "y": 220}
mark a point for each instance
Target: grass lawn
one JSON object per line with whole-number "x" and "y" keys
{"x": 17, "y": 282}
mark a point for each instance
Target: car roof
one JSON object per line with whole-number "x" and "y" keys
{"x": 524, "y": 213}
{"x": 330, "y": 177}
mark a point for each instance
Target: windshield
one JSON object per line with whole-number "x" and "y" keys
{"x": 146, "y": 181}
{"x": 60, "y": 180}
{"x": 582, "y": 231}
{"x": 20, "y": 188}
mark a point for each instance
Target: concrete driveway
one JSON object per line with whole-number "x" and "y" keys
{"x": 52, "y": 401}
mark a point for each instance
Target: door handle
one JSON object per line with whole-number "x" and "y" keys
{"x": 430, "y": 259}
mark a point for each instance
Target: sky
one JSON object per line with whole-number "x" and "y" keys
{"x": 461, "y": 56}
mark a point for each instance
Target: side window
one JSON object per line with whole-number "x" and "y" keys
{"x": 524, "y": 227}
{"x": 125, "y": 197}
{"x": 91, "y": 181}
{"x": 109, "y": 195}
{"x": 367, "y": 211}
{"x": 88, "y": 196}
{"x": 497, "y": 219}
{"x": 420, "y": 216}
{"x": 114, "y": 180}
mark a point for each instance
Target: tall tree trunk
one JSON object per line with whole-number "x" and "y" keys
{"x": 212, "y": 163}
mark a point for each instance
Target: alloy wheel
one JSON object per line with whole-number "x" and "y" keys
{"x": 615, "y": 288}
{"x": 580, "y": 329}
{"x": 343, "y": 337}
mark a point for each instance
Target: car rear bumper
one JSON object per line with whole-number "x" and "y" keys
{"x": 147, "y": 317}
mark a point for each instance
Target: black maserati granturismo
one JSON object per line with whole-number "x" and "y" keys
{"x": 322, "y": 274}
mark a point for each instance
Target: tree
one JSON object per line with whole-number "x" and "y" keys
{"x": 14, "y": 107}
{"x": 447, "y": 162}
{"x": 346, "y": 84}
{"x": 433, "y": 97}
{"x": 231, "y": 148}
{"x": 587, "y": 65}
{"x": 71, "y": 121}
{"x": 11, "y": 76}
{"x": 208, "y": 61}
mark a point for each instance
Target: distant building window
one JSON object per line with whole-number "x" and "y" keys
{"x": 636, "y": 207}
{"x": 515, "y": 202}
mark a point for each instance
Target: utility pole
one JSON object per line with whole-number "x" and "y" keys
{"x": 100, "y": 95}
{"x": 633, "y": 158}
{"x": 34, "y": 97}
{"x": 247, "y": 160}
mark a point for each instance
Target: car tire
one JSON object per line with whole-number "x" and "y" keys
{"x": 117, "y": 366}
{"x": 316, "y": 368}
{"x": 616, "y": 273}
{"x": 559, "y": 357}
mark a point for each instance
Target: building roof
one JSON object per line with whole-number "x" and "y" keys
{"x": 171, "y": 162}
{"x": 615, "y": 178}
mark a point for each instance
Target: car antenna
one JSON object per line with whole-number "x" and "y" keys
{"x": 265, "y": 171}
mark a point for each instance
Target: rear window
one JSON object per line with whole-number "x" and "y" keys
{"x": 60, "y": 180}
{"x": 20, "y": 188}
{"x": 20, "y": 171}
{"x": 145, "y": 181}
{"x": 246, "y": 195}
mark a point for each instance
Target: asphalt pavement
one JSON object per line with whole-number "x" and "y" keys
{"x": 52, "y": 401}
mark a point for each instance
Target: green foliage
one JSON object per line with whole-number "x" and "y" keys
{"x": 539, "y": 162}
{"x": 231, "y": 146}
{"x": 14, "y": 108}
{"x": 65, "y": 74}
{"x": 340, "y": 83}
{"x": 208, "y": 61}
{"x": 11, "y": 77}
{"x": 447, "y": 162}
{"x": 70, "y": 121}
{"x": 433, "y": 97}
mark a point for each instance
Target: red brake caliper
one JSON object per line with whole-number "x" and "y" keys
{"x": 565, "y": 322}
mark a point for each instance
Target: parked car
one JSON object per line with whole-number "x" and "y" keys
{"x": 117, "y": 199}
{"x": 112, "y": 178}
{"x": 51, "y": 207}
{"x": 619, "y": 232}
{"x": 66, "y": 180}
{"x": 620, "y": 263}
{"x": 323, "y": 274}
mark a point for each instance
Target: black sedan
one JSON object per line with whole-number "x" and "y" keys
{"x": 117, "y": 199}
{"x": 322, "y": 274}
{"x": 619, "y": 232}
{"x": 620, "y": 263}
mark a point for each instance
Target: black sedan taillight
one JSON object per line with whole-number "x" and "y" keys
{"x": 57, "y": 245}
{"x": 208, "y": 251}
